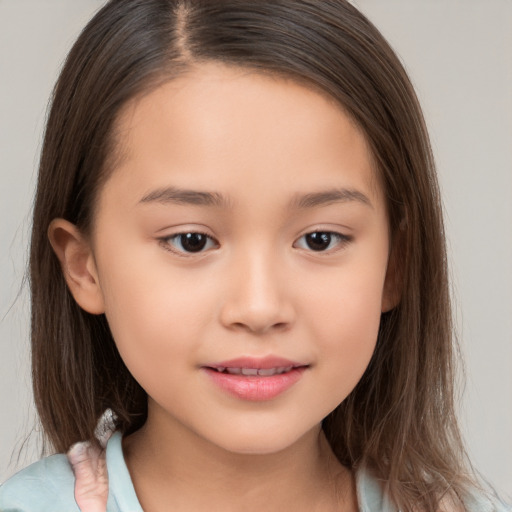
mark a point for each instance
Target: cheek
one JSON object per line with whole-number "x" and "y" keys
{"x": 155, "y": 312}
{"x": 345, "y": 326}
{"x": 350, "y": 336}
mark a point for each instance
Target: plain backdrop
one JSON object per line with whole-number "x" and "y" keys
{"x": 459, "y": 55}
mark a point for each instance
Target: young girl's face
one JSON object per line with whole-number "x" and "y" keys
{"x": 244, "y": 227}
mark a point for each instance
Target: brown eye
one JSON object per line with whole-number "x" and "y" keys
{"x": 318, "y": 241}
{"x": 321, "y": 241}
{"x": 192, "y": 242}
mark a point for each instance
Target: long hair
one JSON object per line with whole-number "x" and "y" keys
{"x": 399, "y": 420}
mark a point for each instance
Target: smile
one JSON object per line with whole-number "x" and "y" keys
{"x": 263, "y": 372}
{"x": 255, "y": 379}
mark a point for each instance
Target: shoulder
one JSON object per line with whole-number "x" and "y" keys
{"x": 479, "y": 501}
{"x": 43, "y": 486}
{"x": 372, "y": 497}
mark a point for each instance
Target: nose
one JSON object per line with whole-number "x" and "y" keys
{"x": 257, "y": 298}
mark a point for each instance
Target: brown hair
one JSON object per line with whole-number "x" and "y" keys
{"x": 399, "y": 420}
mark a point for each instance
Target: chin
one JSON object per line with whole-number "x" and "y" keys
{"x": 262, "y": 442}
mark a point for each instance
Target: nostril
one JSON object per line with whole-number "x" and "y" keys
{"x": 253, "y": 327}
{"x": 256, "y": 314}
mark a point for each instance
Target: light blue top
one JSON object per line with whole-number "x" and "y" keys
{"x": 48, "y": 486}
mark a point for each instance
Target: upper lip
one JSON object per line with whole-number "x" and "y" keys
{"x": 256, "y": 362}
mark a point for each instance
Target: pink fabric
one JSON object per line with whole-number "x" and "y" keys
{"x": 90, "y": 469}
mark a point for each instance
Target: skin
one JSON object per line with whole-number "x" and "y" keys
{"x": 257, "y": 289}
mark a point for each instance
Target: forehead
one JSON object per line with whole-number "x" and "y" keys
{"x": 216, "y": 118}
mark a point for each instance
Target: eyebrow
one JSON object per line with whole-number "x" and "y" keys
{"x": 323, "y": 198}
{"x": 174, "y": 195}
{"x": 182, "y": 196}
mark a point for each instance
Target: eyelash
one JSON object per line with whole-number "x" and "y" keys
{"x": 166, "y": 242}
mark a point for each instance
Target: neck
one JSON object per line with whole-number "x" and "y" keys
{"x": 175, "y": 466}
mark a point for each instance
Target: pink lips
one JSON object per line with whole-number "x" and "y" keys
{"x": 255, "y": 379}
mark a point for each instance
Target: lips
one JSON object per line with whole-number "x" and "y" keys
{"x": 264, "y": 372}
{"x": 255, "y": 379}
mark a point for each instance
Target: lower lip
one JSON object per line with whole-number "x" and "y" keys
{"x": 255, "y": 387}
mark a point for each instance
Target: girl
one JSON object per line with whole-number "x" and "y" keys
{"x": 238, "y": 250}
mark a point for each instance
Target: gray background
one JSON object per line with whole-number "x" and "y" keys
{"x": 459, "y": 55}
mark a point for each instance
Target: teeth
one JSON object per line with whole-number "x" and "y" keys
{"x": 249, "y": 371}
{"x": 264, "y": 372}
{"x": 267, "y": 371}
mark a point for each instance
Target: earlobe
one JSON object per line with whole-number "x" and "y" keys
{"x": 78, "y": 265}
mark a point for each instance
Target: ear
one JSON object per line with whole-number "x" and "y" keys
{"x": 78, "y": 265}
{"x": 393, "y": 284}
